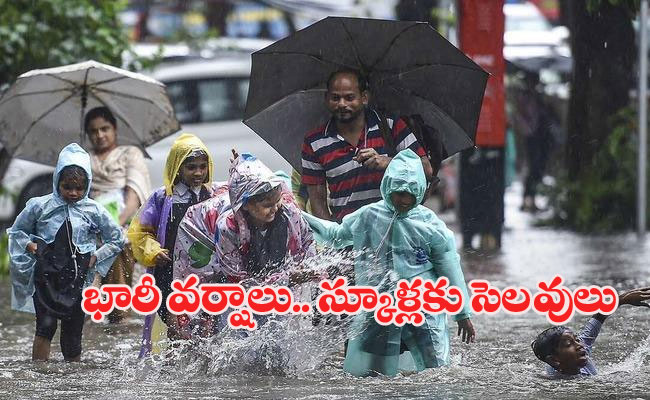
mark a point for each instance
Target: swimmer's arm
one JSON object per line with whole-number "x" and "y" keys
{"x": 599, "y": 317}
{"x": 635, "y": 297}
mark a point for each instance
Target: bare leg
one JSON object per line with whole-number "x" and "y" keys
{"x": 40, "y": 349}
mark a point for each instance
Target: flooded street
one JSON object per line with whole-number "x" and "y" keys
{"x": 499, "y": 365}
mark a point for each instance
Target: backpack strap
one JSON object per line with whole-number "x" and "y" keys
{"x": 387, "y": 134}
{"x": 414, "y": 123}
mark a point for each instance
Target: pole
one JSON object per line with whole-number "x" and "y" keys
{"x": 643, "y": 119}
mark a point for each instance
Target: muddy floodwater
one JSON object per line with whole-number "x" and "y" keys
{"x": 294, "y": 360}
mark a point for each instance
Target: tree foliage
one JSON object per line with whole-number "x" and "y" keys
{"x": 50, "y": 33}
{"x": 603, "y": 199}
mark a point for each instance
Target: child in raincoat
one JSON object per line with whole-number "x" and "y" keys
{"x": 396, "y": 238}
{"x": 54, "y": 254}
{"x": 187, "y": 180}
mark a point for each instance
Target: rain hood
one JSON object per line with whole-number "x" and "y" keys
{"x": 181, "y": 149}
{"x": 249, "y": 177}
{"x": 72, "y": 154}
{"x": 404, "y": 174}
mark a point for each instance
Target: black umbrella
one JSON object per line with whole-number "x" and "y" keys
{"x": 560, "y": 64}
{"x": 410, "y": 67}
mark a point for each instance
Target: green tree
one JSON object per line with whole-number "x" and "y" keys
{"x": 49, "y": 33}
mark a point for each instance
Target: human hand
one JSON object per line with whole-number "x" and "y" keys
{"x": 234, "y": 155}
{"x": 31, "y": 247}
{"x": 467, "y": 329}
{"x": 371, "y": 159}
{"x": 93, "y": 261}
{"x": 635, "y": 297}
{"x": 162, "y": 259}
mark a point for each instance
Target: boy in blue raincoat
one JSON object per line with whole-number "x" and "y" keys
{"x": 397, "y": 238}
{"x": 54, "y": 254}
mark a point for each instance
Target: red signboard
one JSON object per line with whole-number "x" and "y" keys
{"x": 481, "y": 38}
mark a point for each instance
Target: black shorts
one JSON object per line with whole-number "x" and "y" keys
{"x": 71, "y": 329}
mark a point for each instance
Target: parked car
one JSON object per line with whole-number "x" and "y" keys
{"x": 529, "y": 34}
{"x": 208, "y": 95}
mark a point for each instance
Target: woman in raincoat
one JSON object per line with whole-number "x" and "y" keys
{"x": 263, "y": 227}
{"x": 396, "y": 238}
{"x": 154, "y": 228}
{"x": 54, "y": 254}
{"x": 251, "y": 229}
{"x": 247, "y": 231}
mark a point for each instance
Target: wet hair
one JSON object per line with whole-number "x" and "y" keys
{"x": 547, "y": 342}
{"x": 363, "y": 82}
{"x": 263, "y": 196}
{"x": 73, "y": 172}
{"x": 98, "y": 112}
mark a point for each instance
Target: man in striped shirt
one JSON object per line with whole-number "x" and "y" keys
{"x": 349, "y": 155}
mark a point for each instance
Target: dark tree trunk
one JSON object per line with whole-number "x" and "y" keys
{"x": 216, "y": 13}
{"x": 604, "y": 50}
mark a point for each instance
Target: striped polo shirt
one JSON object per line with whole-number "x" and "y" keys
{"x": 328, "y": 157}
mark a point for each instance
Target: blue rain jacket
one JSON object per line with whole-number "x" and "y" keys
{"x": 42, "y": 218}
{"x": 390, "y": 246}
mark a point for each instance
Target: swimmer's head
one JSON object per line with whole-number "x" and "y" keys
{"x": 561, "y": 348}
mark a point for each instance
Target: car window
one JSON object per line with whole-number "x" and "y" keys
{"x": 182, "y": 98}
{"x": 221, "y": 99}
{"x": 214, "y": 103}
{"x": 208, "y": 100}
{"x": 242, "y": 88}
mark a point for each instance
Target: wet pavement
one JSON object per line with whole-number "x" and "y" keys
{"x": 499, "y": 365}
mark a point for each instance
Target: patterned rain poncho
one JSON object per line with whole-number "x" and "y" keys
{"x": 214, "y": 239}
{"x": 42, "y": 218}
{"x": 391, "y": 246}
{"x": 148, "y": 228}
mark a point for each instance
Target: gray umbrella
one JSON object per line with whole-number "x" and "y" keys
{"x": 411, "y": 69}
{"x": 43, "y": 111}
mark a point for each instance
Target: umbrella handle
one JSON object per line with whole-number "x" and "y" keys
{"x": 84, "y": 102}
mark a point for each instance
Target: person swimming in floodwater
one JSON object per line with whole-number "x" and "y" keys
{"x": 568, "y": 355}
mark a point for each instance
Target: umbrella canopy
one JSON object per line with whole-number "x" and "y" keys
{"x": 558, "y": 63}
{"x": 43, "y": 110}
{"x": 411, "y": 69}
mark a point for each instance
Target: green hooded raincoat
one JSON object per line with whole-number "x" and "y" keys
{"x": 390, "y": 246}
